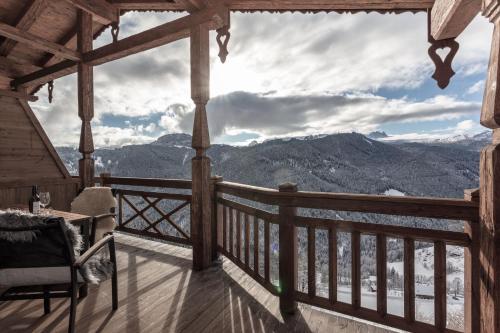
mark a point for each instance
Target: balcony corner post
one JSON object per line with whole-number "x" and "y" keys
{"x": 216, "y": 216}
{"x": 287, "y": 253}
{"x": 489, "y": 194}
{"x": 85, "y": 101}
{"x": 201, "y": 215}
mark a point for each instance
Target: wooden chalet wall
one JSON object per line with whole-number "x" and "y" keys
{"x": 27, "y": 158}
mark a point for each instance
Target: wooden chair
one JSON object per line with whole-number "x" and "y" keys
{"x": 46, "y": 267}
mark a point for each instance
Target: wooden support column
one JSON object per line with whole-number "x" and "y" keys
{"x": 287, "y": 254}
{"x": 201, "y": 206}
{"x": 489, "y": 201}
{"x": 85, "y": 100}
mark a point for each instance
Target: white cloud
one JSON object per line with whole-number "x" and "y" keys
{"x": 333, "y": 55}
{"x": 476, "y": 87}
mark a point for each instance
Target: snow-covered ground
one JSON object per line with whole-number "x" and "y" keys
{"x": 394, "y": 193}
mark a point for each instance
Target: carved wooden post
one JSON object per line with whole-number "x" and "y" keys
{"x": 216, "y": 216}
{"x": 85, "y": 100}
{"x": 103, "y": 177}
{"x": 288, "y": 253}
{"x": 490, "y": 185}
{"x": 200, "y": 206}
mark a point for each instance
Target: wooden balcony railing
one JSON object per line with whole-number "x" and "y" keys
{"x": 145, "y": 209}
{"x": 233, "y": 215}
{"x": 246, "y": 235}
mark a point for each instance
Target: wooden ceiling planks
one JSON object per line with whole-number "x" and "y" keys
{"x": 287, "y": 5}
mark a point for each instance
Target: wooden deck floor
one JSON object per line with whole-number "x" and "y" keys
{"x": 158, "y": 292}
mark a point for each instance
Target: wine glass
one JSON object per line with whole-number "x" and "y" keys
{"x": 44, "y": 199}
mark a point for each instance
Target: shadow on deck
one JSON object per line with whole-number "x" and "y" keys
{"x": 158, "y": 292}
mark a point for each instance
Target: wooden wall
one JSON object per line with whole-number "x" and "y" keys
{"x": 28, "y": 158}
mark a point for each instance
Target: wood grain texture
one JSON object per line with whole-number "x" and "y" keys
{"x": 449, "y": 17}
{"x": 283, "y": 5}
{"x": 24, "y": 22}
{"x": 38, "y": 43}
{"x": 101, "y": 10}
{"x": 85, "y": 101}
{"x": 490, "y": 236}
{"x": 288, "y": 263}
{"x": 409, "y": 280}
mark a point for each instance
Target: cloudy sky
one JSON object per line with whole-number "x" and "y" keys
{"x": 286, "y": 75}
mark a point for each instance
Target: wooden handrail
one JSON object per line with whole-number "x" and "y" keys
{"x": 454, "y": 209}
{"x": 466, "y": 210}
{"x": 148, "y": 182}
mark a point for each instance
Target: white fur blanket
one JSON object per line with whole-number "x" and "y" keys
{"x": 97, "y": 268}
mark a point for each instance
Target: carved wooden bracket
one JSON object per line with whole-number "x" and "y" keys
{"x": 223, "y": 33}
{"x": 444, "y": 71}
{"x": 115, "y": 29}
{"x": 50, "y": 88}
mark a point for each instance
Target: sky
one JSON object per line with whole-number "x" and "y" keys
{"x": 285, "y": 75}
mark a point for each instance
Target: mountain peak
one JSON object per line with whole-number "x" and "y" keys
{"x": 174, "y": 139}
{"x": 377, "y": 135}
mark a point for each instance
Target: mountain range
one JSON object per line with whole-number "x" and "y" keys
{"x": 346, "y": 162}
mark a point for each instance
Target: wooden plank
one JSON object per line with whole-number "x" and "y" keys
{"x": 286, "y": 5}
{"x": 288, "y": 264}
{"x": 409, "y": 280}
{"x": 471, "y": 277}
{"x": 45, "y": 139}
{"x": 455, "y": 209}
{"x": 370, "y": 315}
{"x": 231, "y": 231}
{"x": 101, "y": 10}
{"x": 440, "y": 285}
{"x": 451, "y": 237}
{"x": 450, "y": 17}
{"x": 13, "y": 68}
{"x": 265, "y": 215}
{"x": 146, "y": 40}
{"x": 150, "y": 182}
{"x": 31, "y": 11}
{"x": 332, "y": 264}
{"x": 267, "y": 261}
{"x": 356, "y": 269}
{"x": 224, "y": 228}
{"x": 247, "y": 240}
{"x": 311, "y": 262}
{"x": 18, "y": 95}
{"x": 38, "y": 42}
{"x": 381, "y": 275}
{"x": 256, "y": 245}
{"x": 154, "y": 194}
{"x": 238, "y": 235}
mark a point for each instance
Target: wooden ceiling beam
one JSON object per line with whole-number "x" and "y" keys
{"x": 18, "y": 95}
{"x": 154, "y": 37}
{"x": 24, "y": 22}
{"x": 286, "y": 5}
{"x": 450, "y": 17}
{"x": 101, "y": 10}
{"x": 37, "y": 42}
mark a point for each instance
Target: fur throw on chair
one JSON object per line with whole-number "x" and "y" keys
{"x": 97, "y": 269}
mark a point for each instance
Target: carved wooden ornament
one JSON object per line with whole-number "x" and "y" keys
{"x": 444, "y": 71}
{"x": 50, "y": 88}
{"x": 115, "y": 30}
{"x": 223, "y": 33}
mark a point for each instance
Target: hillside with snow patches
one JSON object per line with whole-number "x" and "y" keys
{"x": 350, "y": 163}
